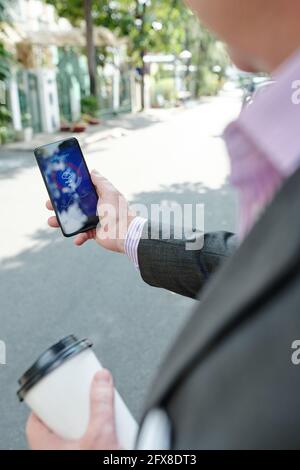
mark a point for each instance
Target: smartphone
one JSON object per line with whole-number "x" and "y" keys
{"x": 69, "y": 185}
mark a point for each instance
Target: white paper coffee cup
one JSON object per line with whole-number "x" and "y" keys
{"x": 57, "y": 388}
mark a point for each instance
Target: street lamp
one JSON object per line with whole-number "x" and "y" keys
{"x": 185, "y": 55}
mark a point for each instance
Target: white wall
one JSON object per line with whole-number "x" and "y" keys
{"x": 48, "y": 99}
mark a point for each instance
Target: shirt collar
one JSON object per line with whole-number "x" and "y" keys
{"x": 272, "y": 122}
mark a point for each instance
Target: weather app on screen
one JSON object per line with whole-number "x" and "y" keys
{"x": 69, "y": 184}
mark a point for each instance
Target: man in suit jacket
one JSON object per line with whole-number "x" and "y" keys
{"x": 229, "y": 381}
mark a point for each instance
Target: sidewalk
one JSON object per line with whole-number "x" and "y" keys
{"x": 119, "y": 126}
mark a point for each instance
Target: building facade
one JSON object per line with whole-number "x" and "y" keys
{"x": 49, "y": 75}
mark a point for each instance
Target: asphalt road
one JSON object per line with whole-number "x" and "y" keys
{"x": 49, "y": 288}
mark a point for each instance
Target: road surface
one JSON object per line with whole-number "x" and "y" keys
{"x": 49, "y": 288}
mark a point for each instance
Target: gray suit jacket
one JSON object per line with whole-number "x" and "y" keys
{"x": 169, "y": 265}
{"x": 229, "y": 382}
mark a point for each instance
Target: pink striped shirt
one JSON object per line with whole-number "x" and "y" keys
{"x": 264, "y": 144}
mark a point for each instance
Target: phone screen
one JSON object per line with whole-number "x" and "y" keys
{"x": 69, "y": 185}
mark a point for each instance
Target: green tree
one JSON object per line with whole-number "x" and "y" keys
{"x": 165, "y": 26}
{"x": 150, "y": 25}
{"x": 209, "y": 59}
{"x": 4, "y": 71}
{"x": 4, "y": 56}
{"x": 90, "y": 46}
{"x": 77, "y": 11}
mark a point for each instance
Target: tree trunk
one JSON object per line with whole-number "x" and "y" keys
{"x": 143, "y": 53}
{"x": 199, "y": 73}
{"x": 90, "y": 47}
{"x": 189, "y": 61}
{"x": 143, "y": 73}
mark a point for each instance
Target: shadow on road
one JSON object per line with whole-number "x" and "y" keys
{"x": 220, "y": 205}
{"x": 11, "y": 162}
{"x": 133, "y": 121}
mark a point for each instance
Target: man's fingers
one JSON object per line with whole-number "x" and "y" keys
{"x": 81, "y": 239}
{"x": 102, "y": 422}
{"x": 92, "y": 234}
{"x": 84, "y": 237}
{"x": 49, "y": 205}
{"x": 52, "y": 222}
{"x": 39, "y": 436}
{"x": 34, "y": 425}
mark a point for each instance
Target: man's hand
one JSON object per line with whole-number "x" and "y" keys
{"x": 114, "y": 214}
{"x": 101, "y": 432}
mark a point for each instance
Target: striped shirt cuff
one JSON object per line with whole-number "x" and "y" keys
{"x": 132, "y": 239}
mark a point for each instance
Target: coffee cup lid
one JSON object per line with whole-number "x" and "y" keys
{"x": 50, "y": 360}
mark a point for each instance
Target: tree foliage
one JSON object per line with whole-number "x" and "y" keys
{"x": 155, "y": 26}
{"x": 4, "y": 71}
{"x": 4, "y": 55}
{"x": 150, "y": 25}
{"x": 71, "y": 9}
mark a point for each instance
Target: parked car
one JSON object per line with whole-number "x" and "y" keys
{"x": 255, "y": 87}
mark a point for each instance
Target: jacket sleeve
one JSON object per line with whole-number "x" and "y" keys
{"x": 182, "y": 264}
